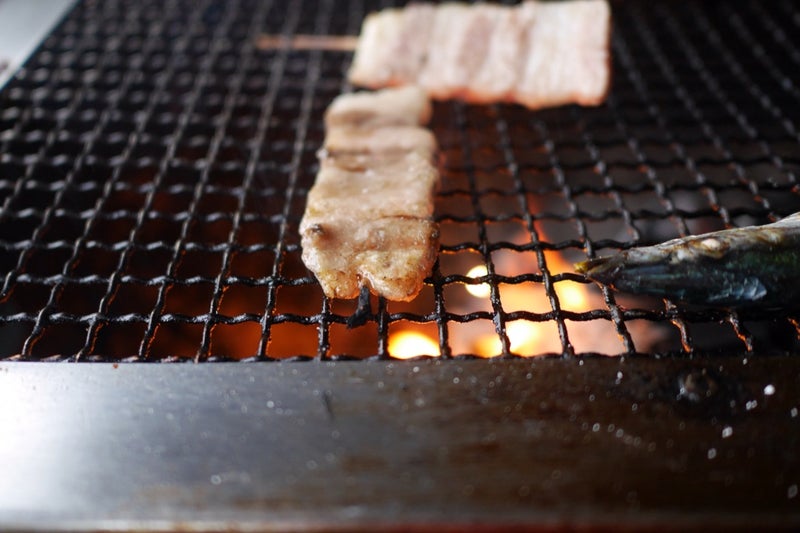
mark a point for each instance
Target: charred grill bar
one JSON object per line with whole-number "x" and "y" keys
{"x": 154, "y": 165}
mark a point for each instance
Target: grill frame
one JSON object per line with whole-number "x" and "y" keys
{"x": 524, "y": 445}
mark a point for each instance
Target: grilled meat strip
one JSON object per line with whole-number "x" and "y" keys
{"x": 368, "y": 219}
{"x": 406, "y": 106}
{"x": 539, "y": 54}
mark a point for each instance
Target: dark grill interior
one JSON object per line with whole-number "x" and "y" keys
{"x": 155, "y": 159}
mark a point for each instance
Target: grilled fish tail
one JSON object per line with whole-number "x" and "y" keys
{"x": 755, "y": 266}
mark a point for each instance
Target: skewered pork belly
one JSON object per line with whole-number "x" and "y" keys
{"x": 539, "y": 54}
{"x": 369, "y": 216}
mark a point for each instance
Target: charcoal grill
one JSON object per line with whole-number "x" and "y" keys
{"x": 154, "y": 165}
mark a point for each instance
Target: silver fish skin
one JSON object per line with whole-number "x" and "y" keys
{"x": 749, "y": 267}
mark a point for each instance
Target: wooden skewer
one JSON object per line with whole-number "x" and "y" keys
{"x": 339, "y": 43}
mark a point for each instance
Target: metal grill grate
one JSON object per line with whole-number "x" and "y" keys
{"x": 154, "y": 163}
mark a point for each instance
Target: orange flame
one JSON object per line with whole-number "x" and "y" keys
{"x": 527, "y": 338}
{"x": 408, "y": 344}
{"x": 524, "y": 338}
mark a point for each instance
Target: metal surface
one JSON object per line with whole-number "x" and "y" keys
{"x": 549, "y": 444}
{"x": 154, "y": 163}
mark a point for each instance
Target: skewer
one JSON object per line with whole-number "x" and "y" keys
{"x": 362, "y": 312}
{"x": 335, "y": 43}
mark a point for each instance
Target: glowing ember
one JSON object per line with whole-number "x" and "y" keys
{"x": 408, "y": 344}
{"x": 530, "y": 338}
{"x": 545, "y": 332}
{"x": 524, "y": 337}
{"x": 573, "y": 296}
{"x": 488, "y": 346}
{"x": 482, "y": 290}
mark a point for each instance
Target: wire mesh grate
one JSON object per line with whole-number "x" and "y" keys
{"x": 155, "y": 160}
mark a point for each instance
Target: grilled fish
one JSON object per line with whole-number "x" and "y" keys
{"x": 749, "y": 267}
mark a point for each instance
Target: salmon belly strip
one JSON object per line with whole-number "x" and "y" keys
{"x": 369, "y": 216}
{"x": 538, "y": 54}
